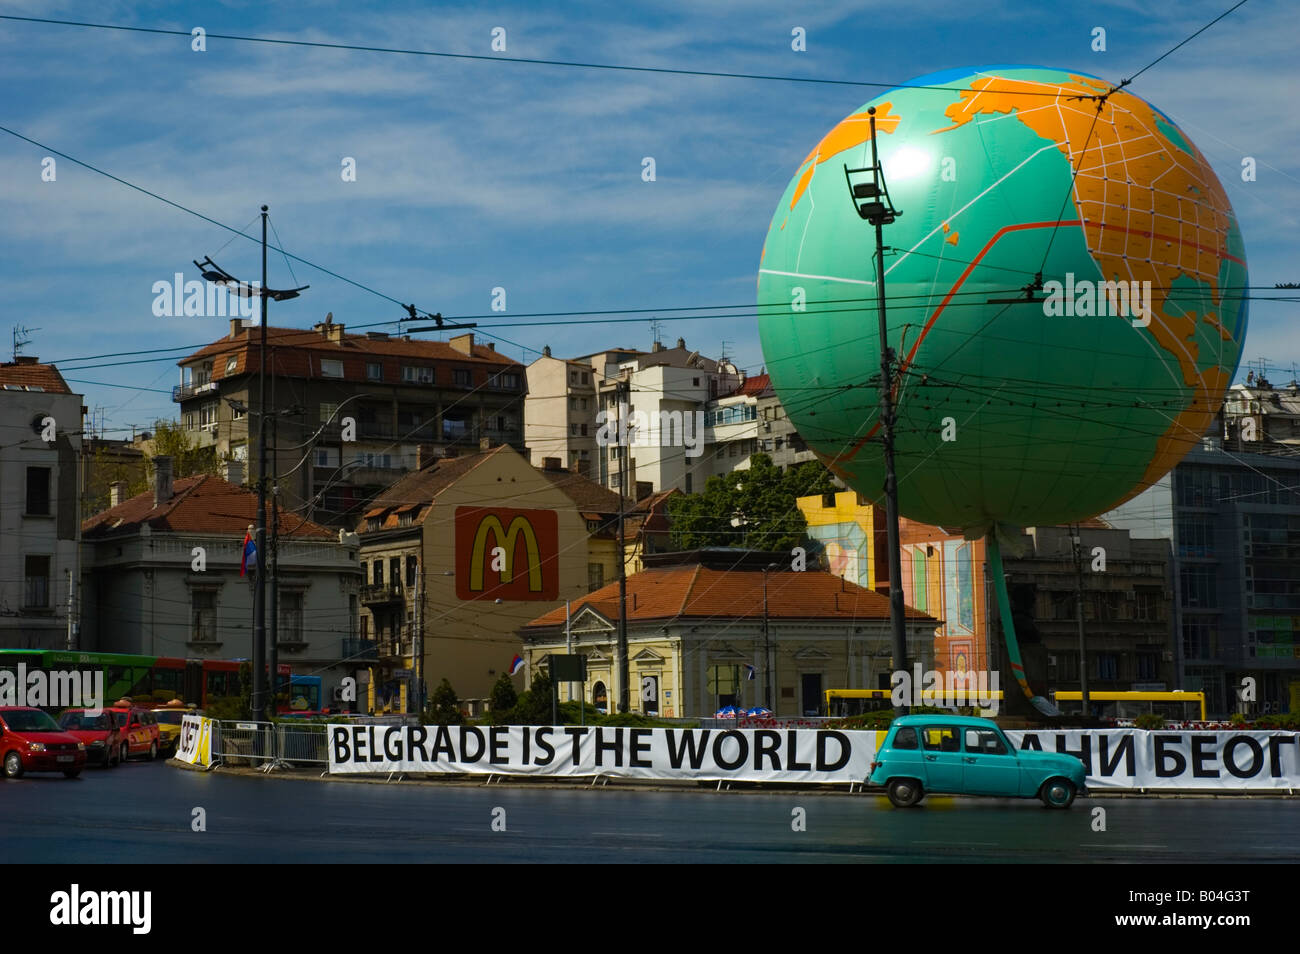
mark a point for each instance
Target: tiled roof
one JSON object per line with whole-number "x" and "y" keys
{"x": 198, "y": 505}
{"x": 755, "y": 385}
{"x": 583, "y": 491}
{"x": 699, "y": 592}
{"x": 291, "y": 353}
{"x": 421, "y": 487}
{"x": 46, "y": 377}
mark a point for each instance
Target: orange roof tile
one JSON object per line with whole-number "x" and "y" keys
{"x": 701, "y": 592}
{"x": 46, "y": 377}
{"x": 198, "y": 505}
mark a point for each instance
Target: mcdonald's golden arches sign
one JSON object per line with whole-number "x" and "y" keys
{"x": 507, "y": 554}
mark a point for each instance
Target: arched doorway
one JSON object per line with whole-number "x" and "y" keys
{"x": 599, "y": 697}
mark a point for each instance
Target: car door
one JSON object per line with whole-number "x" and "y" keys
{"x": 989, "y": 766}
{"x": 942, "y": 757}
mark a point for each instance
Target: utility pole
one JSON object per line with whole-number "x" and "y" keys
{"x": 767, "y": 649}
{"x": 259, "y": 592}
{"x": 877, "y": 208}
{"x": 275, "y": 567}
{"x": 214, "y": 273}
{"x": 1076, "y": 544}
{"x": 624, "y": 697}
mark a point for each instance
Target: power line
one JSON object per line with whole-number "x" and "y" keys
{"x": 319, "y": 44}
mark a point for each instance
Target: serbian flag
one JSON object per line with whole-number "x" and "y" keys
{"x": 749, "y": 672}
{"x": 516, "y": 664}
{"x": 250, "y": 554}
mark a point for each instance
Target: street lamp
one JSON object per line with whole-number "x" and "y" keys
{"x": 871, "y": 199}
{"x": 214, "y": 273}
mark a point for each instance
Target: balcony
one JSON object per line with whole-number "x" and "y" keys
{"x": 183, "y": 392}
{"x": 374, "y": 594}
{"x": 358, "y": 650}
{"x": 398, "y": 645}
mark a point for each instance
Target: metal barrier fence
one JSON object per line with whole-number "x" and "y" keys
{"x": 768, "y": 722}
{"x": 269, "y": 745}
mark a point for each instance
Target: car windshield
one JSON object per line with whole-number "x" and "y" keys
{"x": 84, "y": 721}
{"x": 170, "y": 716}
{"x": 30, "y": 720}
{"x": 121, "y": 718}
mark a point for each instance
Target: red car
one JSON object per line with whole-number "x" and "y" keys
{"x": 139, "y": 732}
{"x": 31, "y": 741}
{"x": 100, "y": 733}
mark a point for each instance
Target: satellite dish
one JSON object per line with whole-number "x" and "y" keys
{"x": 692, "y": 358}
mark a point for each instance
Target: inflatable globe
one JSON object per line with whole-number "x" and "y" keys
{"x": 1065, "y": 293}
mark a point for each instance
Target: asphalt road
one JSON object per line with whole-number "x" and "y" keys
{"x": 142, "y": 812}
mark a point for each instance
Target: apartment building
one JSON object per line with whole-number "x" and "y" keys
{"x": 41, "y": 422}
{"x": 347, "y": 412}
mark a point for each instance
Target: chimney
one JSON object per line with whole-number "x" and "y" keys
{"x": 463, "y": 343}
{"x": 26, "y": 359}
{"x": 485, "y": 443}
{"x": 233, "y": 471}
{"x": 681, "y": 343}
{"x": 162, "y": 480}
{"x": 551, "y": 463}
{"x": 236, "y": 327}
{"x": 657, "y": 347}
{"x": 116, "y": 492}
{"x": 546, "y": 352}
{"x": 328, "y": 330}
{"x": 424, "y": 456}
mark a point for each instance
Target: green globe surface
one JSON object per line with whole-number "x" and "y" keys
{"x": 1014, "y": 405}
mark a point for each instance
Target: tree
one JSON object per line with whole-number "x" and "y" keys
{"x": 753, "y": 508}
{"x": 503, "y": 697}
{"x": 444, "y": 707}
{"x": 188, "y": 460}
{"x": 534, "y": 706}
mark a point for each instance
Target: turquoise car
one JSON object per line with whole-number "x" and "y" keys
{"x": 961, "y": 755}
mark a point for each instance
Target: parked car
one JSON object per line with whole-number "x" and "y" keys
{"x": 140, "y": 735}
{"x": 31, "y": 741}
{"x": 169, "y": 726}
{"x": 99, "y": 732}
{"x": 963, "y": 755}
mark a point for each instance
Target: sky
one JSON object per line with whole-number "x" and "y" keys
{"x": 473, "y": 175}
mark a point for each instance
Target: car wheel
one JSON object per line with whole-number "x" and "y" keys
{"x": 71, "y": 773}
{"x": 123, "y": 753}
{"x": 153, "y": 751}
{"x": 13, "y": 765}
{"x": 1057, "y": 793}
{"x": 905, "y": 792}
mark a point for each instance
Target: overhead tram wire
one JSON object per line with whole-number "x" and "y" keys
{"x": 528, "y": 61}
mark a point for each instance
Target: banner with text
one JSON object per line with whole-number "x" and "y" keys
{"x": 1176, "y": 759}
{"x": 746, "y": 755}
{"x": 195, "y": 745}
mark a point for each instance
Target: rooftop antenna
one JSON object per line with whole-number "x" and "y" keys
{"x": 726, "y": 347}
{"x": 655, "y": 325}
{"x": 22, "y": 336}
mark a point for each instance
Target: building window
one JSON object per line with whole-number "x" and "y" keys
{"x": 331, "y": 368}
{"x": 378, "y": 578}
{"x": 239, "y": 452}
{"x": 203, "y": 616}
{"x": 1067, "y": 667}
{"x": 573, "y": 430}
{"x": 1108, "y": 666}
{"x": 365, "y": 626}
{"x": 586, "y": 378}
{"x": 208, "y": 415}
{"x": 1146, "y": 605}
{"x": 1148, "y": 667}
{"x": 417, "y": 375}
{"x": 411, "y": 564}
{"x": 232, "y": 363}
{"x": 290, "y": 617}
{"x": 374, "y": 371}
{"x": 507, "y": 381}
{"x": 327, "y": 457}
{"x": 38, "y": 491}
{"x": 327, "y": 412}
{"x": 462, "y": 378}
{"x": 238, "y": 412}
{"x": 595, "y": 577}
{"x": 36, "y": 574}
{"x": 395, "y": 571}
